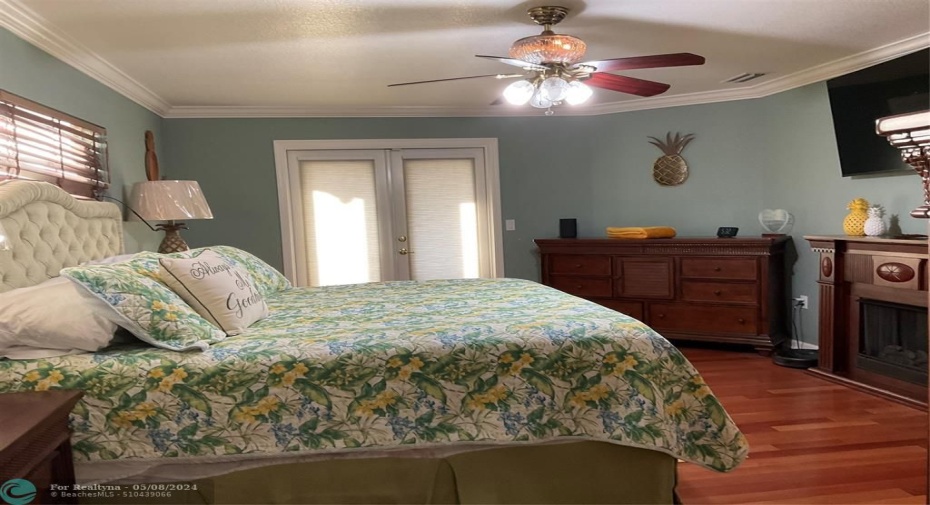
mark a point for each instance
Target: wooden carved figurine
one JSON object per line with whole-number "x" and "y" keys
{"x": 671, "y": 169}
{"x": 151, "y": 159}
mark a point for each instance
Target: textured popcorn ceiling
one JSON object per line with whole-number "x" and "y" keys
{"x": 343, "y": 53}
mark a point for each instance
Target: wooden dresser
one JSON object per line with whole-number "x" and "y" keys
{"x": 710, "y": 289}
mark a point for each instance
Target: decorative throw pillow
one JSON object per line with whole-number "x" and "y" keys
{"x": 147, "y": 308}
{"x": 218, "y": 290}
{"x": 267, "y": 279}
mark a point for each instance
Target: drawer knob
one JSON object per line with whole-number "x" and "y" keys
{"x": 577, "y": 265}
{"x": 717, "y": 292}
{"x": 578, "y": 286}
{"x": 661, "y": 316}
{"x": 741, "y": 320}
{"x": 716, "y": 269}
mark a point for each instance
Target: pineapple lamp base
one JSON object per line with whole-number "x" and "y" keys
{"x": 173, "y": 242}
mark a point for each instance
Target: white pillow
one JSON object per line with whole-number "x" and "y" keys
{"x": 221, "y": 292}
{"x": 53, "y": 318}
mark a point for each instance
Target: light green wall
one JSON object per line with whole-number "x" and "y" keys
{"x": 776, "y": 152}
{"x": 802, "y": 175}
{"x": 596, "y": 169}
{"x": 32, "y": 73}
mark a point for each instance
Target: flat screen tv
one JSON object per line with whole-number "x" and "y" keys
{"x": 894, "y": 87}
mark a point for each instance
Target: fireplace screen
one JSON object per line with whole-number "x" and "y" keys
{"x": 893, "y": 340}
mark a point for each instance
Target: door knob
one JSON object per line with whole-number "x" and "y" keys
{"x": 403, "y": 251}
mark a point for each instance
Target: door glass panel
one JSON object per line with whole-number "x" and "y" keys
{"x": 442, "y": 218}
{"x": 340, "y": 221}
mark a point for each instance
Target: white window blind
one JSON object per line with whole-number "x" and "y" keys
{"x": 442, "y": 218}
{"x": 43, "y": 144}
{"x": 341, "y": 221}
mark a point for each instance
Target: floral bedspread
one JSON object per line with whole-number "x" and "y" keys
{"x": 387, "y": 364}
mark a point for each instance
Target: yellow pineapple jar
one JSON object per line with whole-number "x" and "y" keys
{"x": 854, "y": 224}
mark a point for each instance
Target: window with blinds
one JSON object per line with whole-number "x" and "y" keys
{"x": 43, "y": 144}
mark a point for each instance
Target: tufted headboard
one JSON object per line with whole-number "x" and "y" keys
{"x": 50, "y": 230}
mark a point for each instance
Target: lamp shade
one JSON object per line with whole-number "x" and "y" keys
{"x": 169, "y": 200}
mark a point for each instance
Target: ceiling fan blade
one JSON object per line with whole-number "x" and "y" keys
{"x": 496, "y": 76}
{"x": 624, "y": 84}
{"x": 511, "y": 61}
{"x": 654, "y": 61}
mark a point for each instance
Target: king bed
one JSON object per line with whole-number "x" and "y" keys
{"x": 459, "y": 381}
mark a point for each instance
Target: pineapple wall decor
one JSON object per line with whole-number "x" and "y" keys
{"x": 671, "y": 169}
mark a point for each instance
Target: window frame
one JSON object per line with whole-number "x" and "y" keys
{"x": 82, "y": 164}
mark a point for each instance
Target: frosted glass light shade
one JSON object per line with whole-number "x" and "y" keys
{"x": 5, "y": 243}
{"x": 518, "y": 93}
{"x": 578, "y": 93}
{"x": 554, "y": 89}
{"x": 539, "y": 101}
{"x": 169, "y": 201}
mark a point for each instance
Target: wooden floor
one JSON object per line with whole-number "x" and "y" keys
{"x": 811, "y": 441}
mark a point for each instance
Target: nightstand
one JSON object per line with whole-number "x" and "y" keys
{"x": 35, "y": 442}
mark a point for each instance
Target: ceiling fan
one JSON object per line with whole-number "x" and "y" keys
{"x": 552, "y": 73}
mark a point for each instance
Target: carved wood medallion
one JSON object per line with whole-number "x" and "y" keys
{"x": 826, "y": 267}
{"x": 895, "y": 272}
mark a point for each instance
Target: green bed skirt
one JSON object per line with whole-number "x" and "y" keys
{"x": 579, "y": 472}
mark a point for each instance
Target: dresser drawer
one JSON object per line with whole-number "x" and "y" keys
{"x": 579, "y": 264}
{"x": 644, "y": 277}
{"x": 632, "y": 309}
{"x": 709, "y": 291}
{"x": 587, "y": 287}
{"x": 719, "y": 268}
{"x": 702, "y": 318}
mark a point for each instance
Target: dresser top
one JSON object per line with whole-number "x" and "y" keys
{"x": 715, "y": 241}
{"x": 867, "y": 240}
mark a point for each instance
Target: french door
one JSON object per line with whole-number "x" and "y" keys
{"x": 368, "y": 215}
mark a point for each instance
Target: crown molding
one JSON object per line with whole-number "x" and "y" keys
{"x": 804, "y": 77}
{"x": 33, "y": 28}
{"x": 36, "y": 30}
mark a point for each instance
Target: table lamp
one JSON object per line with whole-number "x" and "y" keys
{"x": 170, "y": 201}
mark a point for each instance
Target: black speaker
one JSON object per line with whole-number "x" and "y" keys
{"x": 568, "y": 228}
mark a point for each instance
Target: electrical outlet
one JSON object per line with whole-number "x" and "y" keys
{"x": 510, "y": 224}
{"x": 802, "y": 301}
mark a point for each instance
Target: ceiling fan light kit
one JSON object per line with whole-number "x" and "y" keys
{"x": 548, "y": 47}
{"x": 553, "y": 76}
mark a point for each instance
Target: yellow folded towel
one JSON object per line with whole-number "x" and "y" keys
{"x": 641, "y": 232}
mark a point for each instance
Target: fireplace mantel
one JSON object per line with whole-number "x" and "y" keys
{"x": 858, "y": 269}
